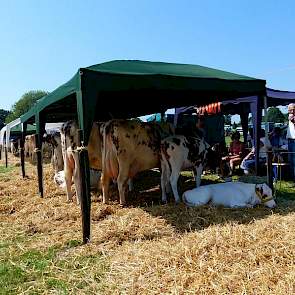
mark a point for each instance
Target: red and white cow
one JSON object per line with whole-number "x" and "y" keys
{"x": 69, "y": 141}
{"x": 130, "y": 147}
{"x": 180, "y": 152}
{"x": 30, "y": 146}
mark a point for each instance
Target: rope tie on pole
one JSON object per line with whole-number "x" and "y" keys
{"x": 81, "y": 148}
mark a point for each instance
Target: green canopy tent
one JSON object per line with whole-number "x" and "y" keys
{"x": 131, "y": 88}
{"x": 17, "y": 130}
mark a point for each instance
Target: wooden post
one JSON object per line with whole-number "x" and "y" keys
{"x": 85, "y": 189}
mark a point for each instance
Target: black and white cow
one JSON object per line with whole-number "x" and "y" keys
{"x": 177, "y": 153}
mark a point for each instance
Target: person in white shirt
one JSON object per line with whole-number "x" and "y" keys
{"x": 291, "y": 138}
{"x": 248, "y": 163}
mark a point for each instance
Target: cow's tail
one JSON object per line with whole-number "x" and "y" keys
{"x": 104, "y": 147}
{"x": 108, "y": 148}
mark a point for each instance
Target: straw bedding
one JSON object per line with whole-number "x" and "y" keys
{"x": 148, "y": 248}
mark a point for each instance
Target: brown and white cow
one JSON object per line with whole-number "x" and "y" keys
{"x": 30, "y": 146}
{"x": 130, "y": 147}
{"x": 180, "y": 152}
{"x": 14, "y": 147}
{"x": 69, "y": 141}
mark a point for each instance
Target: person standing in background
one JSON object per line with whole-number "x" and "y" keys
{"x": 291, "y": 138}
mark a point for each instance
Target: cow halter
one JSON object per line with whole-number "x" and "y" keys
{"x": 260, "y": 196}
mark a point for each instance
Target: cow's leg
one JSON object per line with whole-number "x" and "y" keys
{"x": 77, "y": 182}
{"x": 122, "y": 183}
{"x": 68, "y": 180}
{"x": 69, "y": 166}
{"x": 198, "y": 174}
{"x": 105, "y": 184}
{"x": 173, "y": 181}
{"x": 130, "y": 185}
{"x": 164, "y": 181}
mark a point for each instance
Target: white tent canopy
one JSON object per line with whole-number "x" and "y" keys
{"x": 5, "y": 131}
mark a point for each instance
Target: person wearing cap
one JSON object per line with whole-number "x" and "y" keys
{"x": 291, "y": 138}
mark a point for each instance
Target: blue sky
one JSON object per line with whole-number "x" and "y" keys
{"x": 43, "y": 43}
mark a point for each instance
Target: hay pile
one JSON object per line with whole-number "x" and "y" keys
{"x": 152, "y": 249}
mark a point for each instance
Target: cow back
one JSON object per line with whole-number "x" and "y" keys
{"x": 132, "y": 145}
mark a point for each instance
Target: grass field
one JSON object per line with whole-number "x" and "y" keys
{"x": 145, "y": 248}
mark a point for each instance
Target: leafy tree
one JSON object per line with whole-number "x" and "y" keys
{"x": 275, "y": 115}
{"x": 227, "y": 119}
{"x": 3, "y": 115}
{"x": 24, "y": 104}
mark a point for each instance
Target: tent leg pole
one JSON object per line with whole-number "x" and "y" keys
{"x": 22, "y": 158}
{"x": 40, "y": 128}
{"x": 39, "y": 166}
{"x": 0, "y": 152}
{"x": 257, "y": 132}
{"x": 22, "y": 148}
{"x": 85, "y": 192}
{"x": 6, "y": 156}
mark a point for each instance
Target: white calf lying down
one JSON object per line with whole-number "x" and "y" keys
{"x": 59, "y": 179}
{"x": 230, "y": 194}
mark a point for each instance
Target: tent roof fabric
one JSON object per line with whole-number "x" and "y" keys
{"x": 137, "y": 67}
{"x": 131, "y": 88}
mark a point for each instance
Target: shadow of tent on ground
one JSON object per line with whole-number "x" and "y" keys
{"x": 147, "y": 195}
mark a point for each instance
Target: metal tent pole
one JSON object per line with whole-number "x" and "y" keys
{"x": 40, "y": 126}
{"x": 6, "y": 156}
{"x": 269, "y": 154}
{"x": 22, "y": 151}
{"x": 84, "y": 169}
{"x": 257, "y": 131}
{"x": 85, "y": 190}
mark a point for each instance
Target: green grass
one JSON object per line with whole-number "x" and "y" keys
{"x": 4, "y": 170}
{"x": 42, "y": 271}
{"x": 285, "y": 190}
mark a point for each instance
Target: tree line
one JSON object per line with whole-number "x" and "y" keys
{"x": 26, "y": 101}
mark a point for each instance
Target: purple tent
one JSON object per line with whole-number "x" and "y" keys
{"x": 245, "y": 105}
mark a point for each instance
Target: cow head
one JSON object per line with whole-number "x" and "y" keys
{"x": 54, "y": 140}
{"x": 264, "y": 194}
